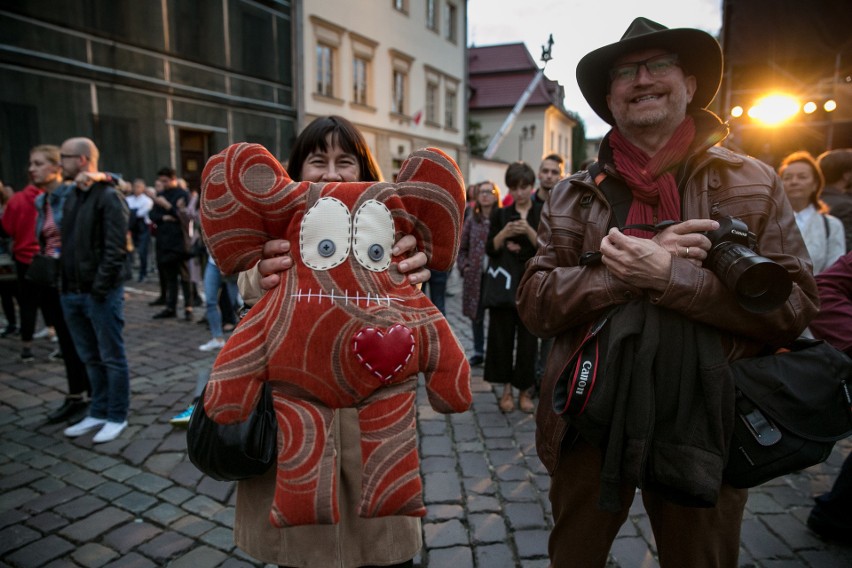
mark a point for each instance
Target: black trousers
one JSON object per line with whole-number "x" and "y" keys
{"x": 75, "y": 370}
{"x": 8, "y": 295}
{"x": 27, "y": 301}
{"x": 172, "y": 271}
{"x": 511, "y": 350}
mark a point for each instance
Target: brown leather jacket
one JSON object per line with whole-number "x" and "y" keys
{"x": 557, "y": 297}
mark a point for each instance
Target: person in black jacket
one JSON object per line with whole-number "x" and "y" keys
{"x": 171, "y": 216}
{"x": 94, "y": 249}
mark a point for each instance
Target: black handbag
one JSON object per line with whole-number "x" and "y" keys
{"x": 234, "y": 451}
{"x": 500, "y": 281}
{"x": 44, "y": 271}
{"x": 791, "y": 408}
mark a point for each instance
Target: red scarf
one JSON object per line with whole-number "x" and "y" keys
{"x": 655, "y": 195}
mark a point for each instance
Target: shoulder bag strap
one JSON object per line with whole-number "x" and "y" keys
{"x": 617, "y": 194}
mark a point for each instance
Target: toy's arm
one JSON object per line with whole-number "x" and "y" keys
{"x": 432, "y": 190}
{"x": 247, "y": 199}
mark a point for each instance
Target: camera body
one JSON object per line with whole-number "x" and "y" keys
{"x": 731, "y": 230}
{"x": 759, "y": 283}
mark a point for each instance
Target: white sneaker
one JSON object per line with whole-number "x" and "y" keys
{"x": 212, "y": 345}
{"x": 109, "y": 432}
{"x": 42, "y": 333}
{"x": 83, "y": 426}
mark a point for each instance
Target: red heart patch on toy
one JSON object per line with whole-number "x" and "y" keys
{"x": 384, "y": 354}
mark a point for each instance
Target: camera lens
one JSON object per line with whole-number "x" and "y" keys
{"x": 761, "y": 285}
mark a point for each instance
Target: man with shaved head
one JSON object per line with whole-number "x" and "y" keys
{"x": 94, "y": 249}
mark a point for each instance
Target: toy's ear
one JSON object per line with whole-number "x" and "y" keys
{"x": 432, "y": 190}
{"x": 247, "y": 199}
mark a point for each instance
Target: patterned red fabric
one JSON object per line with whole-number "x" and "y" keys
{"x": 344, "y": 328}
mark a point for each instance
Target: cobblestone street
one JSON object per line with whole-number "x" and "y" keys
{"x": 139, "y": 502}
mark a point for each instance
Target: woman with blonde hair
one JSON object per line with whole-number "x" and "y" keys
{"x": 823, "y": 234}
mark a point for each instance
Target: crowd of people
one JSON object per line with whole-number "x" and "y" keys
{"x": 621, "y": 243}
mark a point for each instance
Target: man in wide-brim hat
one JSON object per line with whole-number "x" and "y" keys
{"x": 649, "y": 401}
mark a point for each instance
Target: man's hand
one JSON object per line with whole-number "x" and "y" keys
{"x": 686, "y": 240}
{"x": 277, "y": 259}
{"x": 646, "y": 263}
{"x": 640, "y": 262}
{"x": 87, "y": 179}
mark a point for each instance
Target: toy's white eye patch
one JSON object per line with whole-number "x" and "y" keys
{"x": 372, "y": 236}
{"x": 324, "y": 239}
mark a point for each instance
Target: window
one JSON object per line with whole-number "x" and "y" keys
{"x": 359, "y": 80}
{"x": 363, "y": 52}
{"x": 432, "y": 103}
{"x": 327, "y": 66}
{"x": 398, "y": 102}
{"x": 450, "y": 23}
{"x": 400, "y": 6}
{"x": 400, "y": 68}
{"x": 450, "y": 109}
{"x": 325, "y": 70}
{"x": 431, "y": 15}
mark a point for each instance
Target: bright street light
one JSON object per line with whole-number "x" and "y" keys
{"x": 774, "y": 109}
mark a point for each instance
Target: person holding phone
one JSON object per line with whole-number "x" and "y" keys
{"x": 511, "y": 350}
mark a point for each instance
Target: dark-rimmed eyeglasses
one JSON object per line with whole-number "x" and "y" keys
{"x": 64, "y": 156}
{"x": 657, "y": 66}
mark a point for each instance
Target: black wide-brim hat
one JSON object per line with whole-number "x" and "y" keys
{"x": 699, "y": 52}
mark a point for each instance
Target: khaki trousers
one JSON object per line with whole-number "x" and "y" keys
{"x": 685, "y": 536}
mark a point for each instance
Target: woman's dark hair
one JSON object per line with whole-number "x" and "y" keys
{"x": 519, "y": 174}
{"x": 344, "y": 133}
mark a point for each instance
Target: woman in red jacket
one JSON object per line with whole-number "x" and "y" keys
{"x": 19, "y": 222}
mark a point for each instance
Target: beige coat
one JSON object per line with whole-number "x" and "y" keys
{"x": 353, "y": 542}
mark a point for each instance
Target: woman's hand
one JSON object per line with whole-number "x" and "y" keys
{"x": 413, "y": 265}
{"x": 277, "y": 259}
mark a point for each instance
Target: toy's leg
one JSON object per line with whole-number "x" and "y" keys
{"x": 306, "y": 484}
{"x": 390, "y": 483}
{"x": 237, "y": 374}
{"x": 446, "y": 368}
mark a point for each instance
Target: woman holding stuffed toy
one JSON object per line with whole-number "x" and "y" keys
{"x": 329, "y": 149}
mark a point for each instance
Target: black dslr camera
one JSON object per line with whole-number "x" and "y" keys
{"x": 761, "y": 285}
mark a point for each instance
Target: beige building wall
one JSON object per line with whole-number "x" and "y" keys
{"x": 391, "y": 45}
{"x": 536, "y": 132}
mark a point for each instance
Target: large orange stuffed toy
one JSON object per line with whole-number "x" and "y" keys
{"x": 344, "y": 329}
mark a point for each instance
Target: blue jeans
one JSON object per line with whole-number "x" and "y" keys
{"x": 212, "y": 283}
{"x": 437, "y": 285}
{"x": 140, "y": 243}
{"x": 96, "y": 328}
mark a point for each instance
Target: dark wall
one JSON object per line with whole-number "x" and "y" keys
{"x": 108, "y": 70}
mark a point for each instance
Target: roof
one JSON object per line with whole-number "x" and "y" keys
{"x": 499, "y": 58}
{"x": 499, "y": 75}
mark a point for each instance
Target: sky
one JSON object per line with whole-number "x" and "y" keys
{"x": 578, "y": 27}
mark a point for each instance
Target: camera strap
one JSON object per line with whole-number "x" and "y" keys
{"x": 576, "y": 382}
{"x": 617, "y": 194}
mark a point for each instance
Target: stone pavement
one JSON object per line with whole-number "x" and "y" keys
{"x": 139, "y": 502}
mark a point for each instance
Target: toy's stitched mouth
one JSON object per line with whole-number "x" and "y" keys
{"x": 357, "y": 298}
